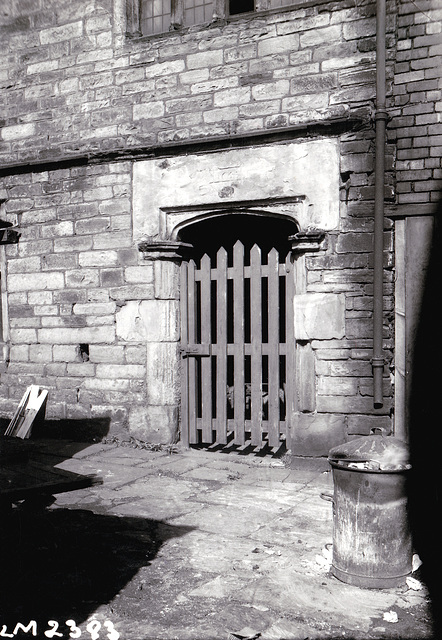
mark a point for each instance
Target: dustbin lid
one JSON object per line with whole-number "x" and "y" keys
{"x": 376, "y": 451}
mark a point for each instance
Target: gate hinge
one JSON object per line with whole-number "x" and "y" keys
{"x": 196, "y": 350}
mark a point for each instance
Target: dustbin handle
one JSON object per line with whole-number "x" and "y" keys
{"x": 326, "y": 496}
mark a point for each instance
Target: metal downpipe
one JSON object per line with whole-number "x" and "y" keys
{"x": 378, "y": 235}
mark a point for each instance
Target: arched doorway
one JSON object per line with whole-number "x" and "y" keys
{"x": 237, "y": 330}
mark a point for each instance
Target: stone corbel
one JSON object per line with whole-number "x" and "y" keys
{"x": 306, "y": 241}
{"x": 164, "y": 249}
{"x": 8, "y": 232}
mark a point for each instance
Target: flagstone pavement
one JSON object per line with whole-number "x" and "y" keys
{"x": 191, "y": 544}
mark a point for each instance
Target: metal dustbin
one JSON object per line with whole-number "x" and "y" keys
{"x": 371, "y": 535}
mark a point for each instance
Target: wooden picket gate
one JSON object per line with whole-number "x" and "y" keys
{"x": 237, "y": 348}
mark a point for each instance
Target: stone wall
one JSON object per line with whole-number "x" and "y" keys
{"x": 73, "y": 83}
{"x": 80, "y": 103}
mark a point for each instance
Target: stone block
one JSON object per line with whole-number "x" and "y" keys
{"x": 82, "y": 278}
{"x": 340, "y": 386}
{"x": 359, "y": 328}
{"x": 194, "y": 76}
{"x": 271, "y": 90}
{"x": 148, "y": 320}
{"x": 98, "y": 258}
{"x": 40, "y": 353}
{"x": 351, "y": 404}
{"x": 112, "y": 354}
{"x": 108, "y": 385}
{"x": 163, "y": 69}
{"x": 63, "y": 32}
{"x": 224, "y": 114}
{"x": 56, "y": 369}
{"x": 109, "y": 241}
{"x": 319, "y": 316}
{"x": 305, "y": 377}
{"x": 360, "y": 28}
{"x": 167, "y": 279}
{"x": 163, "y": 384}
{"x": 81, "y": 369}
{"x": 280, "y": 44}
{"x": 78, "y": 411}
{"x": 65, "y": 353}
{"x": 112, "y": 277}
{"x": 148, "y": 110}
{"x": 19, "y": 353}
{"x": 204, "y": 59}
{"x": 92, "y": 225}
{"x": 132, "y": 292}
{"x": 94, "y": 308}
{"x": 35, "y": 281}
{"x": 212, "y": 86}
{"x": 306, "y": 102}
{"x": 20, "y": 311}
{"x": 23, "y": 336}
{"x": 355, "y": 243}
{"x": 59, "y": 261}
{"x": 140, "y": 274}
{"x": 17, "y": 132}
{"x": 358, "y": 93}
{"x": 130, "y": 371}
{"x": 314, "y": 83}
{"x": 73, "y": 244}
{"x": 154, "y": 424}
{"x": 24, "y": 265}
{"x": 22, "y": 322}
{"x": 315, "y": 37}
{"x": 76, "y": 335}
{"x": 314, "y": 434}
{"x": 135, "y": 354}
{"x": 364, "y": 425}
{"x": 232, "y": 97}
{"x": 68, "y": 297}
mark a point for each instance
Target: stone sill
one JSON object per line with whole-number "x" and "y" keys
{"x": 139, "y": 38}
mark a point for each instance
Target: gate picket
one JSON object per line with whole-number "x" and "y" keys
{"x": 185, "y": 361}
{"x": 256, "y": 345}
{"x": 221, "y": 345}
{"x": 206, "y": 362}
{"x": 290, "y": 357}
{"x": 273, "y": 340}
{"x": 192, "y": 365}
{"x": 238, "y": 349}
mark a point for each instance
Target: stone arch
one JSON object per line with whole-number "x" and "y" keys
{"x": 206, "y": 233}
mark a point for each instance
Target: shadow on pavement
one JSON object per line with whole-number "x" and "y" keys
{"x": 63, "y": 564}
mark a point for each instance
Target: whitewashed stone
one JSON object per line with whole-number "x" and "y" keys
{"x": 163, "y": 384}
{"x": 148, "y": 320}
{"x": 309, "y": 169}
{"x": 319, "y": 316}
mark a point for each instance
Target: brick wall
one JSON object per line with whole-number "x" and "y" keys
{"x": 73, "y": 87}
{"x": 416, "y": 105}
